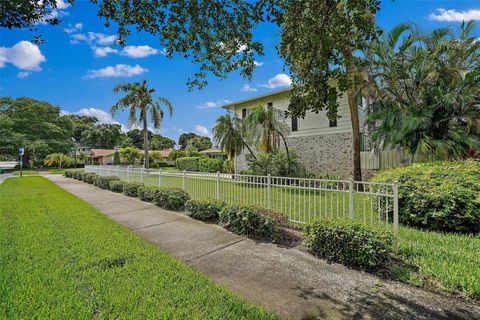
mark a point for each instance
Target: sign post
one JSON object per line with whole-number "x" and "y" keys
{"x": 20, "y": 153}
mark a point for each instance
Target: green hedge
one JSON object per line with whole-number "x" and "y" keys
{"x": 146, "y": 193}
{"x": 78, "y": 175}
{"x": 253, "y": 221}
{"x": 188, "y": 163}
{"x": 131, "y": 188}
{"x": 104, "y": 181}
{"x": 349, "y": 243}
{"x": 170, "y": 198}
{"x": 442, "y": 196}
{"x": 209, "y": 165}
{"x": 83, "y": 176}
{"x": 90, "y": 177}
{"x": 116, "y": 185}
{"x": 204, "y": 209}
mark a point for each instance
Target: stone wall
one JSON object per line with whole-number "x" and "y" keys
{"x": 321, "y": 154}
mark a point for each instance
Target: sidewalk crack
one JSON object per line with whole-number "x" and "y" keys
{"x": 215, "y": 250}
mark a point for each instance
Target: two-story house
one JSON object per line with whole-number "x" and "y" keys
{"x": 322, "y": 145}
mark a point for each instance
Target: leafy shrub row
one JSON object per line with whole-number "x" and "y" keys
{"x": 104, "y": 181}
{"x": 349, "y": 243}
{"x": 209, "y": 165}
{"x": 131, "y": 188}
{"x": 441, "y": 196}
{"x": 116, "y": 185}
{"x": 188, "y": 163}
{"x": 253, "y": 221}
{"x": 204, "y": 209}
{"x": 90, "y": 178}
{"x": 165, "y": 197}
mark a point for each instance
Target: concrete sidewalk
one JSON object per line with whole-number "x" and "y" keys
{"x": 287, "y": 281}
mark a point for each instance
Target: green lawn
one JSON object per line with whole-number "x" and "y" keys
{"x": 56, "y": 171}
{"x": 62, "y": 259}
{"x": 26, "y": 172}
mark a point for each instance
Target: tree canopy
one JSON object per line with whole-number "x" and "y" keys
{"x": 103, "y": 136}
{"x": 194, "y": 140}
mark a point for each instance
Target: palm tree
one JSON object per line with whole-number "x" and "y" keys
{"x": 139, "y": 100}
{"x": 425, "y": 92}
{"x": 228, "y": 133}
{"x": 265, "y": 128}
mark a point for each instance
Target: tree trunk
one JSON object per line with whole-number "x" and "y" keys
{"x": 286, "y": 150}
{"x": 352, "y": 104}
{"x": 145, "y": 141}
{"x": 251, "y": 152}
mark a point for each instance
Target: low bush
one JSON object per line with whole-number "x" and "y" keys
{"x": 170, "y": 198}
{"x": 228, "y": 166}
{"x": 116, "y": 185}
{"x": 441, "y": 196}
{"x": 131, "y": 188}
{"x": 78, "y": 175}
{"x": 349, "y": 243}
{"x": 209, "y": 165}
{"x": 104, "y": 181}
{"x": 90, "y": 177}
{"x": 147, "y": 193}
{"x": 204, "y": 209}
{"x": 188, "y": 163}
{"x": 253, "y": 221}
{"x": 83, "y": 176}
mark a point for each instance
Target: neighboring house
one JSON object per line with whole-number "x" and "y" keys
{"x": 82, "y": 148}
{"x": 214, "y": 153}
{"x": 164, "y": 154}
{"x": 322, "y": 145}
{"x": 101, "y": 156}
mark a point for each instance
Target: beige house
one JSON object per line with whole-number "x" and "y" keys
{"x": 322, "y": 145}
{"x": 101, "y": 156}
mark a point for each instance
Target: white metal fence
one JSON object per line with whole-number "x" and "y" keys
{"x": 302, "y": 200}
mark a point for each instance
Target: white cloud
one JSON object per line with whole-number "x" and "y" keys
{"x": 24, "y": 55}
{"x": 258, "y": 63}
{"x": 280, "y": 80}
{"x": 213, "y": 104}
{"x": 202, "y": 130}
{"x": 93, "y": 38}
{"x": 455, "y": 15}
{"x": 120, "y": 70}
{"x": 23, "y": 74}
{"x": 138, "y": 51}
{"x": 103, "y": 51}
{"x": 58, "y": 12}
{"x": 72, "y": 29}
{"x": 247, "y": 88}
{"x": 62, "y": 5}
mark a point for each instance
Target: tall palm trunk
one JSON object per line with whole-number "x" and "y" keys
{"x": 145, "y": 140}
{"x": 357, "y": 169}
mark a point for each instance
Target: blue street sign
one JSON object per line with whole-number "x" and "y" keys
{"x": 20, "y": 151}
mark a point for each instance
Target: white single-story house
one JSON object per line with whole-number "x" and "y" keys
{"x": 214, "y": 153}
{"x": 323, "y": 146}
{"x": 101, "y": 156}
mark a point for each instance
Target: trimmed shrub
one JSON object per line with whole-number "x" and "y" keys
{"x": 228, "y": 166}
{"x": 253, "y": 221}
{"x": 209, "y": 165}
{"x": 204, "y": 209}
{"x": 90, "y": 177}
{"x": 116, "y": 185}
{"x": 78, "y": 175}
{"x": 104, "y": 181}
{"x": 83, "y": 175}
{"x": 188, "y": 163}
{"x": 170, "y": 198}
{"x": 147, "y": 193}
{"x": 131, "y": 188}
{"x": 349, "y": 243}
{"x": 441, "y": 196}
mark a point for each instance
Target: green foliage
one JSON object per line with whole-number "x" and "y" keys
{"x": 35, "y": 125}
{"x": 66, "y": 260}
{"x": 130, "y": 155}
{"x": 276, "y": 165}
{"x": 170, "y": 198}
{"x": 188, "y": 163}
{"x": 116, "y": 185}
{"x": 78, "y": 175}
{"x": 71, "y": 173}
{"x": 104, "y": 181}
{"x": 83, "y": 176}
{"x": 209, "y": 165}
{"x": 81, "y": 124}
{"x": 425, "y": 91}
{"x": 57, "y": 159}
{"x": 131, "y": 188}
{"x": 440, "y": 196}
{"x": 103, "y": 136}
{"x": 90, "y": 178}
{"x": 204, "y": 209}
{"x": 116, "y": 158}
{"x": 147, "y": 193}
{"x": 349, "y": 243}
{"x": 228, "y": 166}
{"x": 175, "y": 154}
{"x": 253, "y": 221}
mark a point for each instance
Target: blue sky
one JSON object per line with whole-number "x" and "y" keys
{"x": 78, "y": 65}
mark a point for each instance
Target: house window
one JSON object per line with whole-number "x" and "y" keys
{"x": 244, "y": 113}
{"x": 333, "y": 123}
{"x": 294, "y": 123}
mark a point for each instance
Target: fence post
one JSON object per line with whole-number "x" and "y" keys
{"x": 160, "y": 178}
{"x": 395, "y": 211}
{"x": 269, "y": 184}
{"x": 350, "y": 198}
{"x": 218, "y": 186}
{"x": 183, "y": 180}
